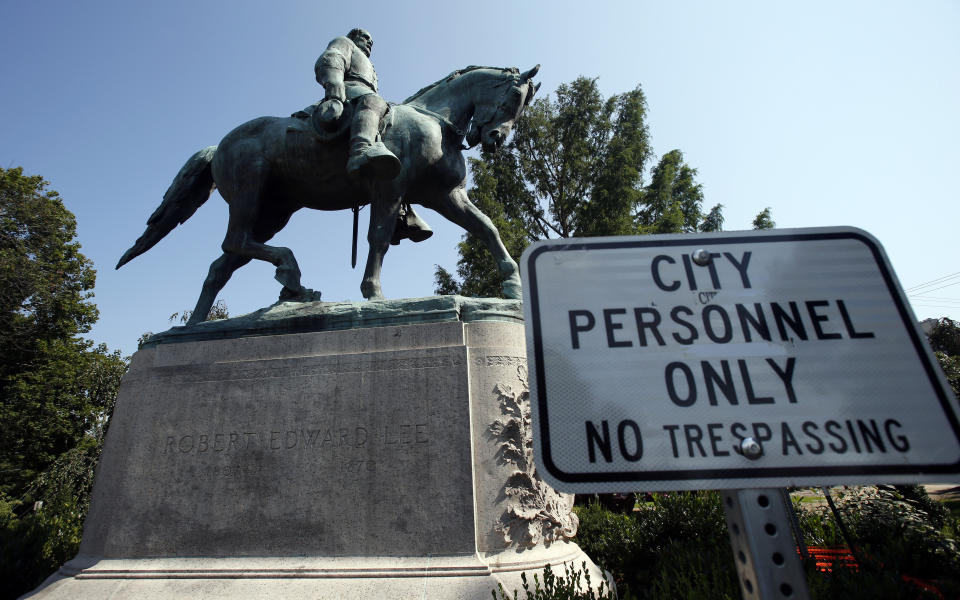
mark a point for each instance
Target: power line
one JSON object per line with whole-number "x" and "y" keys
{"x": 947, "y": 306}
{"x": 916, "y": 294}
{"x": 932, "y": 282}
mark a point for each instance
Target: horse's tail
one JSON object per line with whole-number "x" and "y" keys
{"x": 189, "y": 190}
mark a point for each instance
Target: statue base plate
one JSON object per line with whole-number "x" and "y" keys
{"x": 360, "y": 453}
{"x": 448, "y": 577}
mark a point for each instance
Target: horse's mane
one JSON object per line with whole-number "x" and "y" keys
{"x": 457, "y": 74}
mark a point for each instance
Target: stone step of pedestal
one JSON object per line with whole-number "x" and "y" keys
{"x": 466, "y": 576}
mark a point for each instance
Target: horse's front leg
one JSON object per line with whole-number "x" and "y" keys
{"x": 383, "y": 220}
{"x": 456, "y": 206}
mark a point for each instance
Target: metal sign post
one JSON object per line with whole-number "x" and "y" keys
{"x": 763, "y": 547}
{"x": 731, "y": 360}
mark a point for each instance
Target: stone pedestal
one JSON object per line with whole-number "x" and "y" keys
{"x": 376, "y": 450}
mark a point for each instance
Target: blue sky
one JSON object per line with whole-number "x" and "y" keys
{"x": 829, "y": 113}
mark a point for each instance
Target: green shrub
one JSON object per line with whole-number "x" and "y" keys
{"x": 612, "y": 540}
{"x": 896, "y": 531}
{"x": 675, "y": 546}
{"x": 569, "y": 587}
{"x": 43, "y": 531}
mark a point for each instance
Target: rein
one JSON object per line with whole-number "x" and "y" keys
{"x": 443, "y": 120}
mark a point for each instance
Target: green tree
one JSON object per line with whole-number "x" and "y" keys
{"x": 951, "y": 368}
{"x": 673, "y": 201}
{"x": 45, "y": 304}
{"x": 217, "y": 312}
{"x": 713, "y": 221}
{"x": 944, "y": 338}
{"x": 763, "y": 220}
{"x": 56, "y": 389}
{"x": 41, "y": 529}
{"x": 575, "y": 167}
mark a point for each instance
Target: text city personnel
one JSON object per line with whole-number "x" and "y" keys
{"x": 729, "y": 381}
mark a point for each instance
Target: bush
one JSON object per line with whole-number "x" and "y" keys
{"x": 675, "y": 546}
{"x": 34, "y": 546}
{"x": 47, "y": 531}
{"x": 568, "y": 587}
{"x": 897, "y": 532}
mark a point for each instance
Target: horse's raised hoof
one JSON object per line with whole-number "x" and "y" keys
{"x": 513, "y": 289}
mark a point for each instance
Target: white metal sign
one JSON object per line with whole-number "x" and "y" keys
{"x": 730, "y": 360}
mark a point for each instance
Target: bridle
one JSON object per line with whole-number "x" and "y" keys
{"x": 510, "y": 85}
{"x": 489, "y": 117}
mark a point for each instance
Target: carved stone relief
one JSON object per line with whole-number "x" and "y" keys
{"x": 535, "y": 512}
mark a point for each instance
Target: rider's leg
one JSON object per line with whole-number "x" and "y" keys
{"x": 368, "y": 156}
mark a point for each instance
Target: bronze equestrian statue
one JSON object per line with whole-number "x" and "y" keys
{"x": 268, "y": 168}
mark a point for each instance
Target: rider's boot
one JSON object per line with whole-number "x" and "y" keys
{"x": 410, "y": 226}
{"x": 369, "y": 157}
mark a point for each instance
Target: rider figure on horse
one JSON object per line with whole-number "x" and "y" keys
{"x": 347, "y": 75}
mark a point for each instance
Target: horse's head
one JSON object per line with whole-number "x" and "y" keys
{"x": 497, "y": 107}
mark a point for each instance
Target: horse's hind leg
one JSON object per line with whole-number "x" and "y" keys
{"x": 458, "y": 208}
{"x": 250, "y": 225}
{"x": 223, "y": 268}
{"x": 220, "y": 272}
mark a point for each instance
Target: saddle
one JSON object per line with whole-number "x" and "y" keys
{"x": 341, "y": 127}
{"x": 327, "y": 132}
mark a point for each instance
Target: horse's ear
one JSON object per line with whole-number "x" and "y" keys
{"x": 527, "y": 76}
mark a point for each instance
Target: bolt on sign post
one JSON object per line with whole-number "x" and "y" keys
{"x": 730, "y": 361}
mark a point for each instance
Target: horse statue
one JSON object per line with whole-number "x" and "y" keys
{"x": 270, "y": 167}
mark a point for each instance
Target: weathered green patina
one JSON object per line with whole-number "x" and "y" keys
{"x": 307, "y": 317}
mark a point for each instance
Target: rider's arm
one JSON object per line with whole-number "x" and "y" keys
{"x": 331, "y": 66}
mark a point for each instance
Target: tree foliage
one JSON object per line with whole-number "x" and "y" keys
{"x": 45, "y": 282}
{"x": 944, "y": 338}
{"x": 56, "y": 389}
{"x": 49, "y": 396}
{"x": 763, "y": 220}
{"x": 673, "y": 201}
{"x": 217, "y": 312}
{"x": 575, "y": 167}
